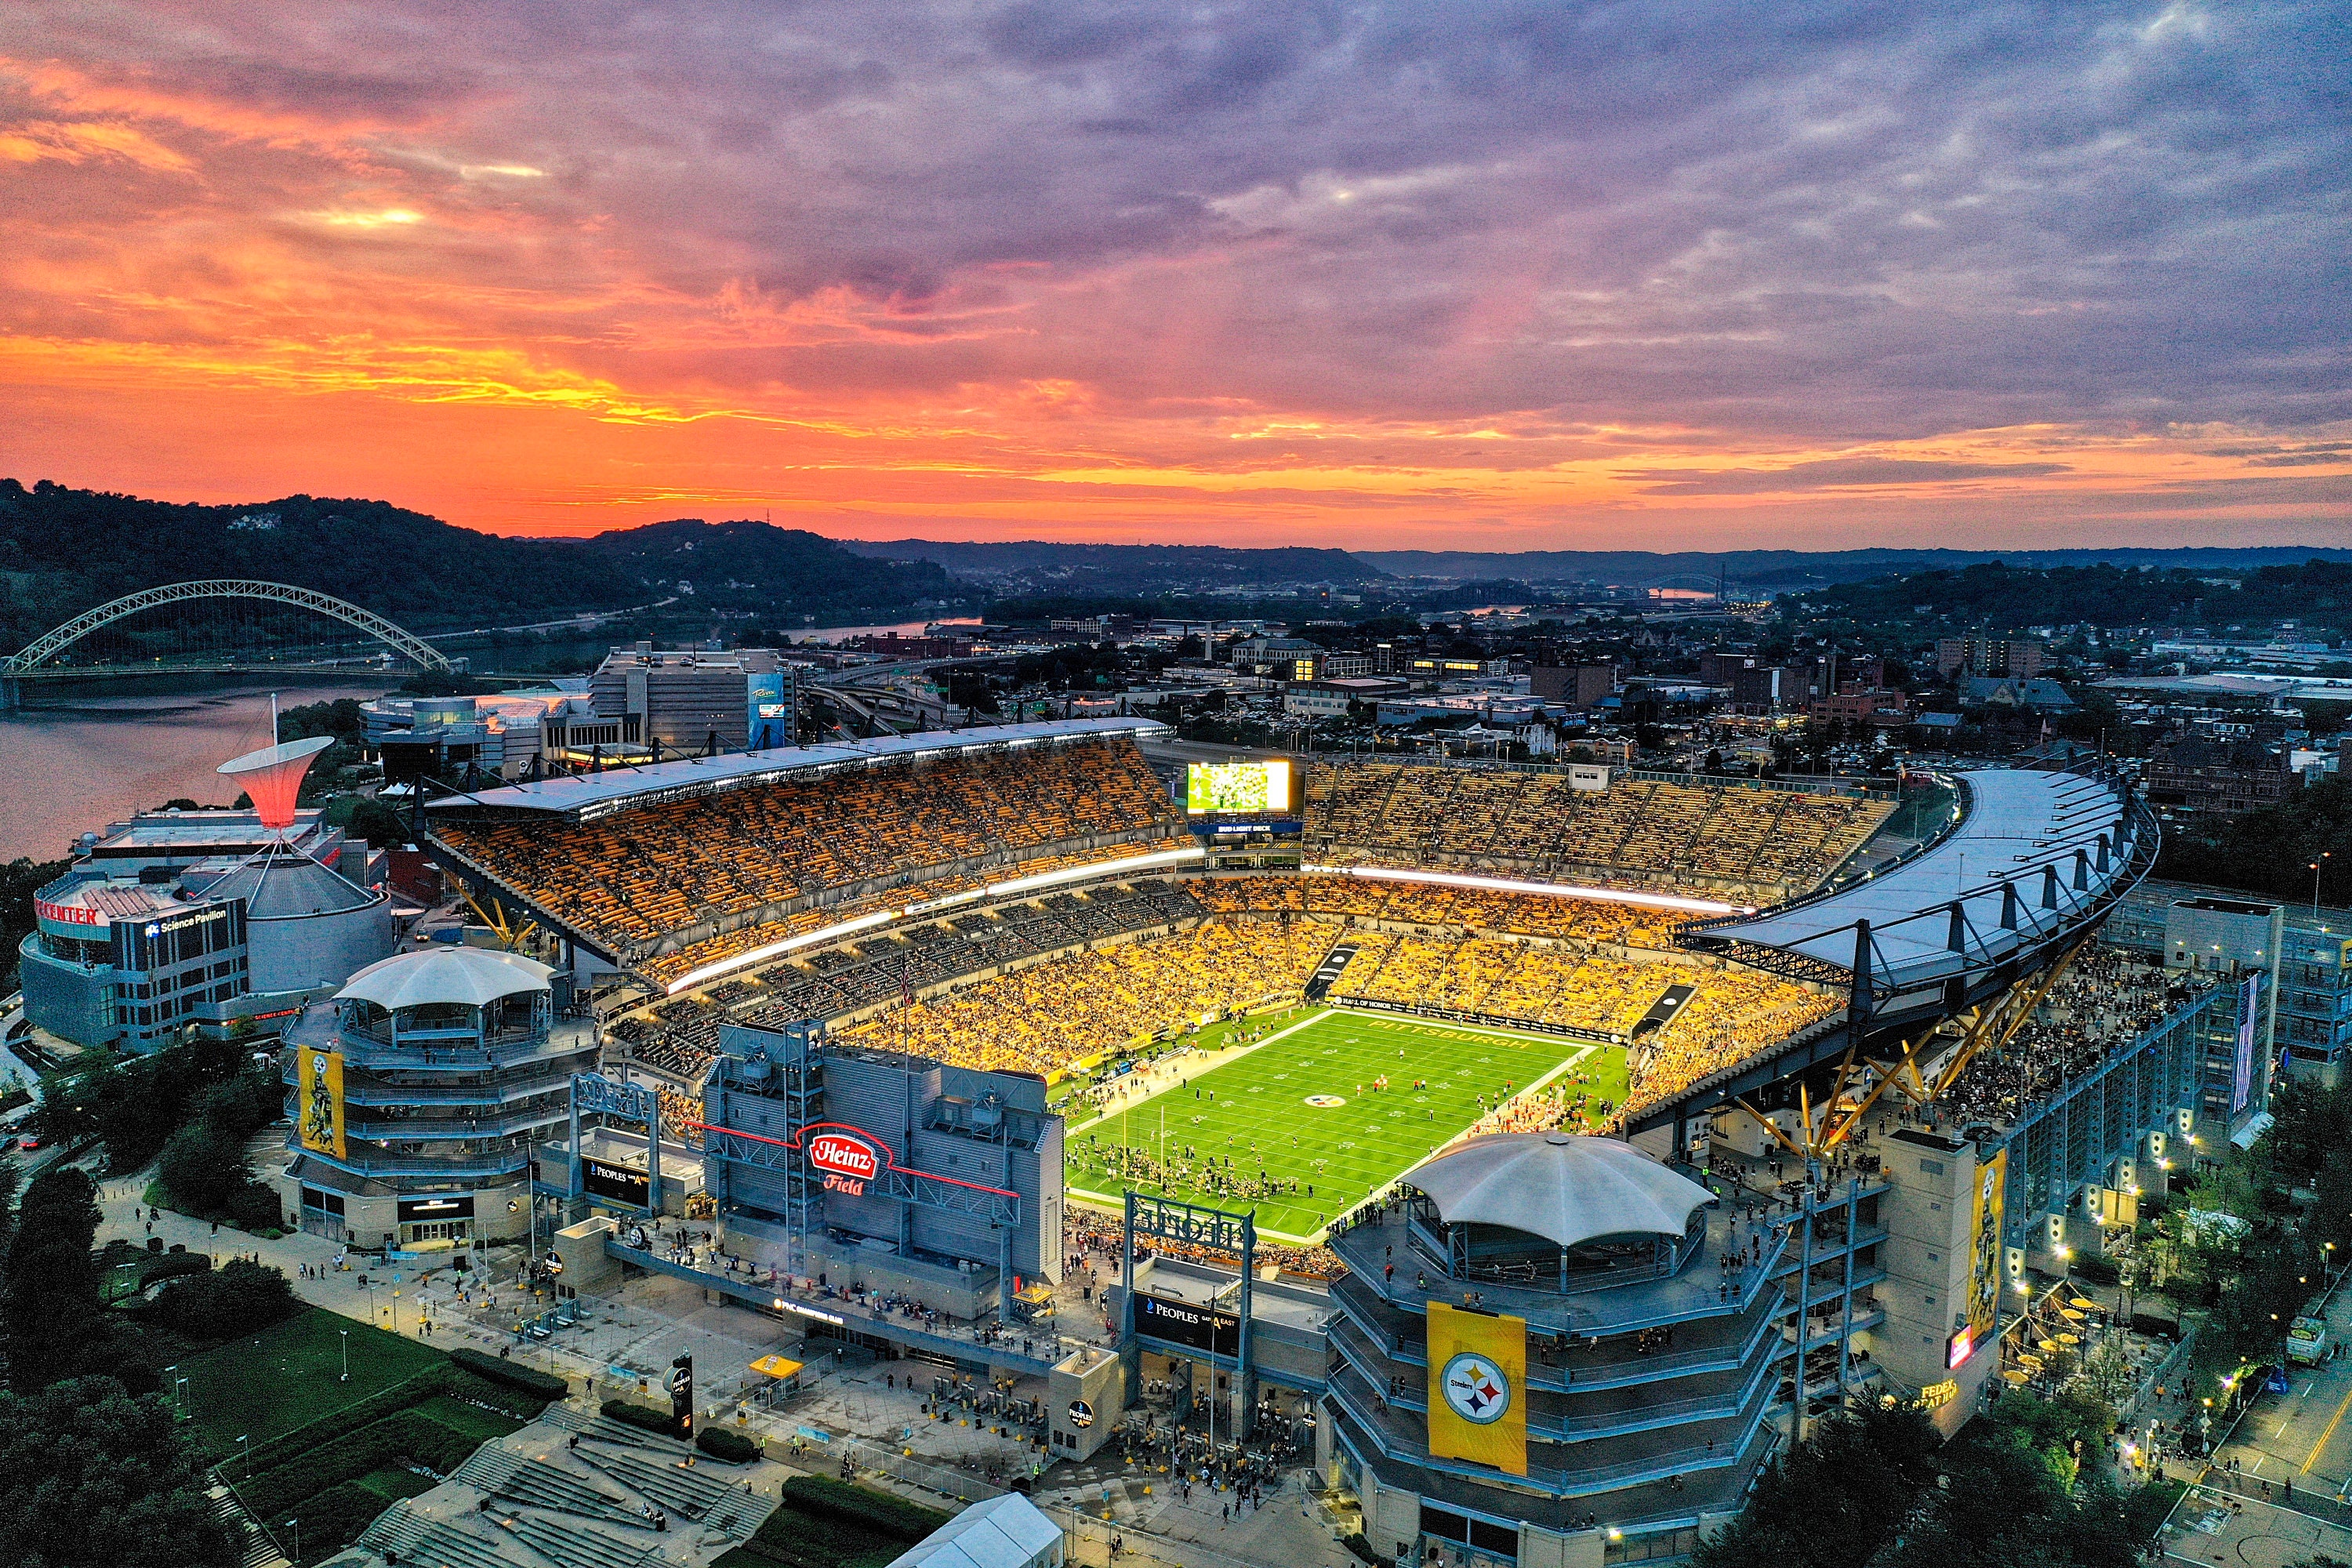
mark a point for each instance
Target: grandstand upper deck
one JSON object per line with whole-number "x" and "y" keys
{"x": 586, "y": 796}
{"x": 1732, "y": 840}
{"x": 672, "y": 861}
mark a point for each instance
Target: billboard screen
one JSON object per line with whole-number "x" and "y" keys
{"x": 617, "y": 1182}
{"x": 1237, "y": 786}
{"x": 1182, "y": 1323}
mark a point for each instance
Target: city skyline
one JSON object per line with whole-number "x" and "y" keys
{"x": 1483, "y": 280}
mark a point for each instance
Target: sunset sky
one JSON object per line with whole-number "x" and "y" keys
{"x": 1479, "y": 276}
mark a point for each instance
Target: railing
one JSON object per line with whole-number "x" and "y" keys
{"x": 498, "y": 1163}
{"x": 1583, "y": 1480}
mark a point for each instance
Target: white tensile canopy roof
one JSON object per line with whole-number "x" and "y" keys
{"x": 1566, "y": 1189}
{"x": 469, "y": 976}
{"x": 1009, "y": 1531}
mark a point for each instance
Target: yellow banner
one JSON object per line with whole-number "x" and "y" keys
{"x": 1984, "y": 1247}
{"x": 1478, "y": 1388}
{"x": 322, "y": 1075}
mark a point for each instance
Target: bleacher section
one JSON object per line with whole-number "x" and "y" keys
{"x": 1467, "y": 909}
{"x": 626, "y": 880}
{"x": 1041, "y": 1018}
{"x": 1773, "y": 843}
{"x": 1026, "y": 901}
{"x": 679, "y": 1038}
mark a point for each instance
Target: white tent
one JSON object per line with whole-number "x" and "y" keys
{"x": 1002, "y": 1532}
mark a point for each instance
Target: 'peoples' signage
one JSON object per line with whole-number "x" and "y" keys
{"x": 847, "y": 1160}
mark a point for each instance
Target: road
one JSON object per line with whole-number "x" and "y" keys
{"x": 2304, "y": 1436}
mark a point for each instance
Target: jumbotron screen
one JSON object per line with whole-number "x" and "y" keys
{"x": 1237, "y": 786}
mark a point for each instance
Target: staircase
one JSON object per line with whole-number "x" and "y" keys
{"x": 260, "y": 1552}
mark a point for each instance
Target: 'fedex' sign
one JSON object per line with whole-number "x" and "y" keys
{"x": 848, "y": 1163}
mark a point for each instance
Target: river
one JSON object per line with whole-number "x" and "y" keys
{"x": 71, "y": 766}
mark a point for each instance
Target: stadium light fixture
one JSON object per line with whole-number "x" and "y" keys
{"x": 1547, "y": 889}
{"x": 694, "y": 977}
{"x": 758, "y": 955}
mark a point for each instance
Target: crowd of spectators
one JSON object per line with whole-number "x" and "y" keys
{"x": 1090, "y": 1245}
{"x": 1734, "y": 1014}
{"x": 632, "y": 877}
{"x": 1637, "y": 831}
{"x": 2106, "y": 999}
{"x": 1448, "y": 909}
{"x": 678, "y": 1037}
{"x": 1041, "y": 1018}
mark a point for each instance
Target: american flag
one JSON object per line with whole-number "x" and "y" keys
{"x": 907, "y": 981}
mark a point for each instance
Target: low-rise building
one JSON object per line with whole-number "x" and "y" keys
{"x": 1577, "y": 685}
{"x": 2019, "y": 657}
{"x": 1335, "y": 699}
{"x": 2197, "y": 777}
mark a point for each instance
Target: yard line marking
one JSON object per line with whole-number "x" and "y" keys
{"x": 1246, "y": 1050}
{"x": 2327, "y": 1432}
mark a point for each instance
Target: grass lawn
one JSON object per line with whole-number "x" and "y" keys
{"x": 286, "y": 1376}
{"x": 1261, "y": 1118}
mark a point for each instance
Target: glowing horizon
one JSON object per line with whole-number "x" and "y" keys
{"x": 1702, "y": 277}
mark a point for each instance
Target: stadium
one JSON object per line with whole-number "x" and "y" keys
{"x": 962, "y": 1016}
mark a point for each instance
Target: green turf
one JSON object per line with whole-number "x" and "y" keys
{"x": 264, "y": 1385}
{"x": 1203, "y": 1038}
{"x": 1260, "y": 1116}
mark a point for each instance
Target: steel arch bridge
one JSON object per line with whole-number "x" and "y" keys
{"x": 45, "y": 648}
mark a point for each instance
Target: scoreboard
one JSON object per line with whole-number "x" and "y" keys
{"x": 1241, "y": 787}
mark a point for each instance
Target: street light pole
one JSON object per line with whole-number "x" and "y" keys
{"x": 346, "y": 1336}
{"x": 296, "y": 1526}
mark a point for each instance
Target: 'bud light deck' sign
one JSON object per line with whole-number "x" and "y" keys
{"x": 846, "y": 1160}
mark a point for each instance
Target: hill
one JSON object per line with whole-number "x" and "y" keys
{"x": 758, "y": 567}
{"x": 1039, "y": 565}
{"x": 1781, "y": 570}
{"x": 63, "y": 551}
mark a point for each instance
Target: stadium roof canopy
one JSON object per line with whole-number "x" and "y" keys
{"x": 594, "y": 794}
{"x": 2033, "y": 855}
{"x": 1569, "y": 1190}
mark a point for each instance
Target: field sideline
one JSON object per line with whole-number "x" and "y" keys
{"x": 1255, "y": 1111}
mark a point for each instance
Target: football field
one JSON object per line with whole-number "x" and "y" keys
{"x": 1301, "y": 1106}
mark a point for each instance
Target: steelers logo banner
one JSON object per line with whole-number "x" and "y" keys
{"x": 1478, "y": 1381}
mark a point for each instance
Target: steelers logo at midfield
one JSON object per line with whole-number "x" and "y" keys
{"x": 1326, "y": 1101}
{"x": 1476, "y": 1389}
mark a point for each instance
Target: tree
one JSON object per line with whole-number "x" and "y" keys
{"x": 49, "y": 1299}
{"x": 92, "y": 1477}
{"x": 222, "y": 1303}
{"x": 19, "y": 879}
{"x": 1832, "y": 1502}
{"x": 2006, "y": 1503}
{"x": 202, "y": 1166}
{"x": 366, "y": 817}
